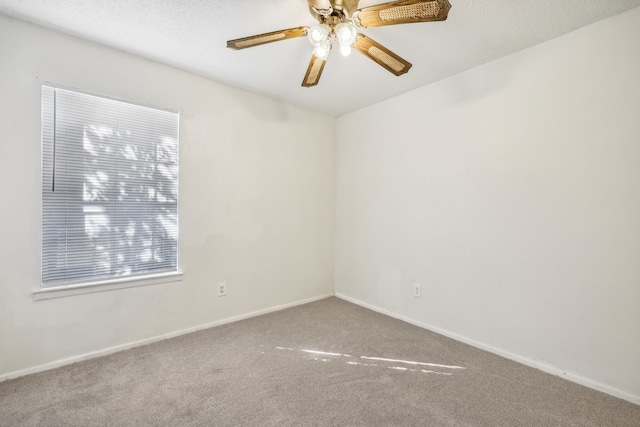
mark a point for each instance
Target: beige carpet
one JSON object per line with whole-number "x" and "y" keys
{"x": 325, "y": 363}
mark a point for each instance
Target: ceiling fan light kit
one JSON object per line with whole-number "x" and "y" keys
{"x": 338, "y": 22}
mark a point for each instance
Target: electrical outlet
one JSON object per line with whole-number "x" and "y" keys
{"x": 222, "y": 289}
{"x": 417, "y": 290}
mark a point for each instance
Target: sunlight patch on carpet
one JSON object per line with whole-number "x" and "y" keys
{"x": 386, "y": 363}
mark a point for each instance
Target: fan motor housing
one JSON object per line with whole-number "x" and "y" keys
{"x": 342, "y": 8}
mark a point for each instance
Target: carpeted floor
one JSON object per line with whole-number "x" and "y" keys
{"x": 328, "y": 363}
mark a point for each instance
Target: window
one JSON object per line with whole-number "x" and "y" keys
{"x": 109, "y": 190}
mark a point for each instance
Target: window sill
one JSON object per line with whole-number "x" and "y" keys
{"x": 105, "y": 285}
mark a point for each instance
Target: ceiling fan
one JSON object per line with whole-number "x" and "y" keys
{"x": 339, "y": 21}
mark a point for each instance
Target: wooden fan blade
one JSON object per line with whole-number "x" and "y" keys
{"x": 381, "y": 55}
{"x": 314, "y": 71}
{"x": 402, "y": 12}
{"x": 275, "y": 36}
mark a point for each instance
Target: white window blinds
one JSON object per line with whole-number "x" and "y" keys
{"x": 109, "y": 189}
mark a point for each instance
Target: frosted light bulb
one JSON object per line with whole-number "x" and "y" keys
{"x": 318, "y": 33}
{"x": 345, "y": 50}
{"x": 346, "y": 33}
{"x": 322, "y": 51}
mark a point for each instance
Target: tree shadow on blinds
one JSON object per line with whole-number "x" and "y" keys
{"x": 113, "y": 209}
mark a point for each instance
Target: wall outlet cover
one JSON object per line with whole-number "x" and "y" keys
{"x": 417, "y": 290}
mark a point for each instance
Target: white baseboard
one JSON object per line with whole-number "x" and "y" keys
{"x": 511, "y": 356}
{"x": 117, "y": 348}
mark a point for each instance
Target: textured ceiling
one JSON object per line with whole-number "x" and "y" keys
{"x": 192, "y": 34}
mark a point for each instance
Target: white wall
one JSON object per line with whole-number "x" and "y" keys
{"x": 511, "y": 192}
{"x": 257, "y": 193}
